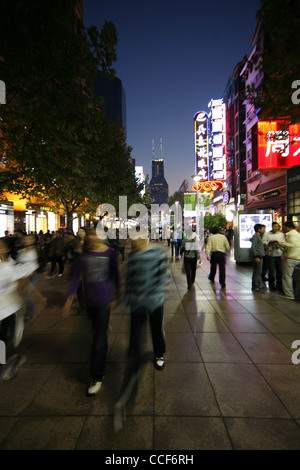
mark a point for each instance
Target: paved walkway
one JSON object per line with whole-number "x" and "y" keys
{"x": 229, "y": 380}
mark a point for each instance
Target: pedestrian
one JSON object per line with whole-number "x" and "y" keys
{"x": 216, "y": 249}
{"x": 57, "y": 253}
{"x": 147, "y": 276}
{"x": 28, "y": 256}
{"x": 265, "y": 264}
{"x": 274, "y": 256}
{"x": 191, "y": 255}
{"x": 98, "y": 269}
{"x": 11, "y": 310}
{"x": 79, "y": 246}
{"x": 258, "y": 252}
{"x": 291, "y": 246}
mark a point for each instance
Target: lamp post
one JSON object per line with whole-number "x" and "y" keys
{"x": 197, "y": 178}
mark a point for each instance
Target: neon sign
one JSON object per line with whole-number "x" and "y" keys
{"x": 275, "y": 146}
{"x": 207, "y": 186}
{"x": 201, "y": 145}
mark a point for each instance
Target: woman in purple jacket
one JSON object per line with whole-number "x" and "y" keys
{"x": 98, "y": 269}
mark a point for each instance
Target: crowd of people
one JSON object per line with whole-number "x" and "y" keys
{"x": 94, "y": 279}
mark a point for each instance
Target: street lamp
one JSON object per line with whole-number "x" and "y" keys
{"x": 197, "y": 178}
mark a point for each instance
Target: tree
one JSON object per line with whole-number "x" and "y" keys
{"x": 177, "y": 196}
{"x": 217, "y": 220}
{"x": 279, "y": 96}
{"x": 57, "y": 142}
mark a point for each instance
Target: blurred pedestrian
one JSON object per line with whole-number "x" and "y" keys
{"x": 28, "y": 256}
{"x": 147, "y": 277}
{"x": 79, "y": 246}
{"x": 57, "y": 253}
{"x": 216, "y": 248}
{"x": 98, "y": 269}
{"x": 11, "y": 313}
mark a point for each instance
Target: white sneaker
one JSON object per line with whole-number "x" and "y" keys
{"x": 159, "y": 363}
{"x": 93, "y": 388}
{"x": 60, "y": 275}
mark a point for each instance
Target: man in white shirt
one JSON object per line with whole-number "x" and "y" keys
{"x": 292, "y": 257}
{"x": 274, "y": 256}
{"x": 217, "y": 246}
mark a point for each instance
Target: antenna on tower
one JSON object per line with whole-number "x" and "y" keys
{"x": 152, "y": 149}
{"x": 161, "y": 153}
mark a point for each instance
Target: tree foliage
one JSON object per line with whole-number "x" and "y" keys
{"x": 57, "y": 142}
{"x": 279, "y": 20}
{"x": 216, "y": 220}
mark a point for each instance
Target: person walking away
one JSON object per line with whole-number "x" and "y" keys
{"x": 191, "y": 255}
{"x": 147, "y": 276}
{"x": 11, "y": 313}
{"x": 292, "y": 258}
{"x": 98, "y": 269}
{"x": 258, "y": 252}
{"x": 57, "y": 253}
{"x": 216, "y": 249}
{"x": 274, "y": 256}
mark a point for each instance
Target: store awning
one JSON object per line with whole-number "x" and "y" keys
{"x": 270, "y": 185}
{"x": 272, "y": 203}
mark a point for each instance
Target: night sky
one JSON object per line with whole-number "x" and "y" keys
{"x": 173, "y": 58}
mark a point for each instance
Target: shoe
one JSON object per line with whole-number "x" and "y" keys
{"x": 9, "y": 370}
{"x": 60, "y": 275}
{"x": 223, "y": 286}
{"x": 159, "y": 363}
{"x": 211, "y": 280}
{"x": 285, "y": 297}
{"x": 93, "y": 388}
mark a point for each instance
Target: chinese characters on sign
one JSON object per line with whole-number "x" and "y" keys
{"x": 277, "y": 148}
{"x": 201, "y": 145}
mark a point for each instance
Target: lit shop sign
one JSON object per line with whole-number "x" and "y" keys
{"x": 201, "y": 145}
{"x": 207, "y": 186}
{"x": 274, "y": 147}
{"x": 217, "y": 169}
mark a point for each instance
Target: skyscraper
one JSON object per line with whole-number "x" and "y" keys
{"x": 159, "y": 188}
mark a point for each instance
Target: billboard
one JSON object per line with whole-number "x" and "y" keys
{"x": 201, "y": 145}
{"x": 246, "y": 227}
{"x": 274, "y": 146}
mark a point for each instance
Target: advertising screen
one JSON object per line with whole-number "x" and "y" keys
{"x": 246, "y": 226}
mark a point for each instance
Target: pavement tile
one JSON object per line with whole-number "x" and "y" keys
{"x": 263, "y": 434}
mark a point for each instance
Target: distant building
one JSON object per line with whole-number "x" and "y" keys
{"x": 158, "y": 187}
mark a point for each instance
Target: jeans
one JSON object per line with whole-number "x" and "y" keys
{"x": 256, "y": 276}
{"x": 190, "y": 265}
{"x": 217, "y": 258}
{"x": 287, "y": 277}
{"x": 100, "y": 321}
{"x": 275, "y": 272}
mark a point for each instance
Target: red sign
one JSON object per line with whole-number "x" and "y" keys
{"x": 207, "y": 186}
{"x": 277, "y": 147}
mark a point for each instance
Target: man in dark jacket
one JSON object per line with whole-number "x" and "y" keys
{"x": 258, "y": 252}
